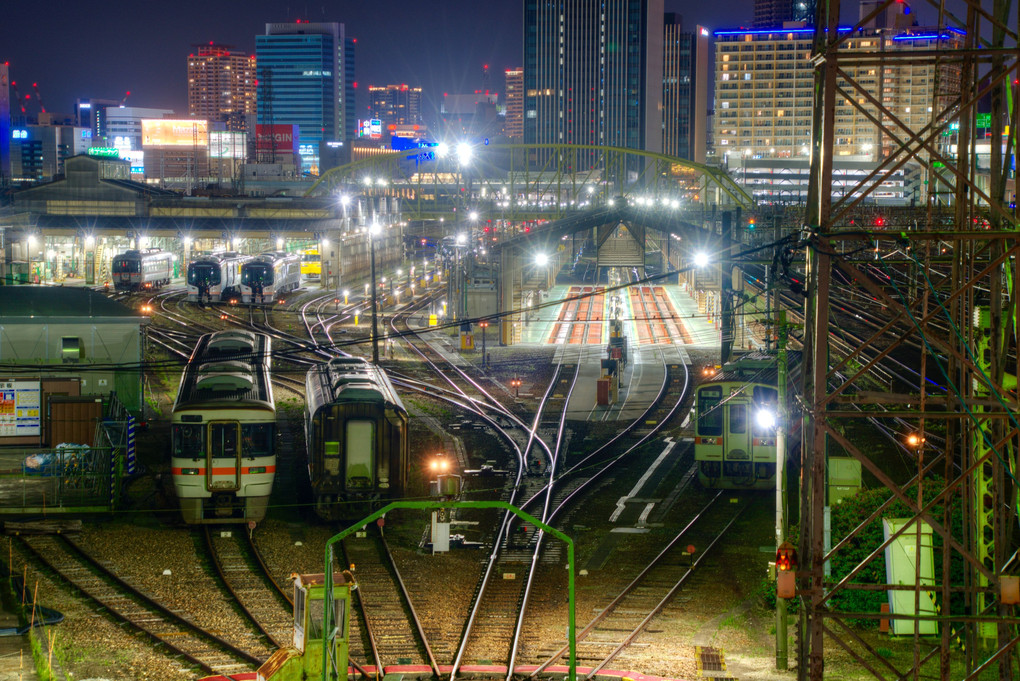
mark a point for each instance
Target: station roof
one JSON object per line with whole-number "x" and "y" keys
{"x": 19, "y": 303}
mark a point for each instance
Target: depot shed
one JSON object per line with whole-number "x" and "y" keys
{"x": 58, "y": 343}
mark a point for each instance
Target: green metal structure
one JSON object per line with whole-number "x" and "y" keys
{"x": 333, "y": 670}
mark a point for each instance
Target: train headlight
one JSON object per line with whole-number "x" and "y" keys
{"x": 765, "y": 418}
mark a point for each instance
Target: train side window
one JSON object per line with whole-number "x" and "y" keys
{"x": 710, "y": 414}
{"x": 257, "y": 439}
{"x": 738, "y": 418}
{"x": 224, "y": 439}
{"x": 188, "y": 441}
{"x": 359, "y": 448}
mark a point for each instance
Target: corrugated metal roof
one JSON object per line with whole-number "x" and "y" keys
{"x": 59, "y": 301}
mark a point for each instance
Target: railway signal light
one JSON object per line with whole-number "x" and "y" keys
{"x": 515, "y": 383}
{"x": 786, "y": 557}
{"x": 750, "y": 223}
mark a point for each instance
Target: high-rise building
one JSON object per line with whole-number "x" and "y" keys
{"x": 5, "y": 124}
{"x": 306, "y": 78}
{"x": 684, "y": 90}
{"x": 593, "y": 73}
{"x": 513, "y": 104}
{"x": 221, "y": 85}
{"x": 773, "y": 13}
{"x": 91, "y": 113}
{"x": 395, "y": 104}
{"x": 764, "y": 89}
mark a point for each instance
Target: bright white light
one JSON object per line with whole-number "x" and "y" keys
{"x": 187, "y": 241}
{"x": 344, "y": 200}
{"x": 279, "y": 243}
{"x": 442, "y": 149}
{"x": 347, "y": 292}
{"x": 368, "y": 181}
{"x": 473, "y": 215}
{"x": 700, "y": 259}
{"x": 400, "y": 273}
{"x": 89, "y": 240}
{"x": 591, "y": 190}
{"x": 611, "y": 203}
{"x": 464, "y": 153}
{"x": 674, "y": 204}
{"x": 51, "y": 254}
{"x": 541, "y": 259}
{"x": 325, "y": 244}
{"x": 461, "y": 239}
{"x": 375, "y": 229}
{"x": 765, "y": 418}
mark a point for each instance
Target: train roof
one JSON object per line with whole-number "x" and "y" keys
{"x": 146, "y": 253}
{"x": 216, "y": 257}
{"x": 272, "y": 257}
{"x": 350, "y": 379}
{"x": 227, "y": 366}
{"x": 758, "y": 367}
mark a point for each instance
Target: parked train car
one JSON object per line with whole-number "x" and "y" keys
{"x": 735, "y": 425}
{"x": 270, "y": 275}
{"x": 149, "y": 268}
{"x": 356, "y": 434}
{"x": 311, "y": 264}
{"x": 223, "y": 430}
{"x": 215, "y": 277}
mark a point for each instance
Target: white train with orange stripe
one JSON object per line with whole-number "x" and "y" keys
{"x": 223, "y": 432}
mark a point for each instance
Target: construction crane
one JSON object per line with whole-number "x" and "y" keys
{"x": 38, "y": 98}
{"x": 124, "y": 98}
{"x": 17, "y": 96}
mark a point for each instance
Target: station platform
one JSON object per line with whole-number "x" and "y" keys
{"x": 562, "y": 321}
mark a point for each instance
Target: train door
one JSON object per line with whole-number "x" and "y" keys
{"x": 223, "y": 469}
{"x": 738, "y": 438}
{"x": 359, "y": 447}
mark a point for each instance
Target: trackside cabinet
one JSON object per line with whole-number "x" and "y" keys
{"x": 304, "y": 659}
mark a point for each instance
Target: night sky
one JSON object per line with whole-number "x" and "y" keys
{"x": 104, "y": 49}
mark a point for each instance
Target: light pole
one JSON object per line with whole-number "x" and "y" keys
{"x": 31, "y": 246}
{"x": 484, "y": 324}
{"x": 373, "y": 230}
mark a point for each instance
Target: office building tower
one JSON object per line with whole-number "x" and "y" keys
{"x": 513, "y": 104}
{"x": 306, "y": 78}
{"x": 593, "y": 74}
{"x": 395, "y": 104}
{"x": 774, "y": 13}
{"x": 91, "y": 113}
{"x": 221, "y": 85}
{"x": 684, "y": 90}
{"x": 123, "y": 126}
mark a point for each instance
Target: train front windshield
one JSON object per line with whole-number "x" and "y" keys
{"x": 203, "y": 274}
{"x": 257, "y": 439}
{"x": 311, "y": 257}
{"x": 126, "y": 266}
{"x": 710, "y": 413}
{"x": 258, "y": 273}
{"x": 189, "y": 440}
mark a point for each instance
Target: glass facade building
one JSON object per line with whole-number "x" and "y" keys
{"x": 306, "y": 78}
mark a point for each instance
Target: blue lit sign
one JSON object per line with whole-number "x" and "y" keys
{"x": 19, "y": 134}
{"x": 86, "y": 134}
{"x": 85, "y": 105}
{"x": 307, "y": 150}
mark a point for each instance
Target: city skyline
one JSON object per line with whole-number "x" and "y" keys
{"x": 441, "y": 48}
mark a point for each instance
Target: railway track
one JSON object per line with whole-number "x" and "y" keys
{"x": 243, "y": 572}
{"x": 206, "y": 650}
{"x": 394, "y": 628}
{"x": 618, "y": 624}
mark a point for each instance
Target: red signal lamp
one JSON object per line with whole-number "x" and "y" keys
{"x": 786, "y": 557}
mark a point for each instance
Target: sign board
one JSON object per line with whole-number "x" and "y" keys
{"x": 984, "y": 120}
{"x": 433, "y": 320}
{"x": 20, "y": 411}
{"x": 283, "y": 139}
{"x": 161, "y": 132}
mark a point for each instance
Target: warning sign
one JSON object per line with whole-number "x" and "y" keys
{"x": 20, "y": 408}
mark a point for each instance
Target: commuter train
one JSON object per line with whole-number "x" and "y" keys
{"x": 149, "y": 268}
{"x": 735, "y": 424}
{"x": 215, "y": 277}
{"x": 356, "y": 435}
{"x": 223, "y": 430}
{"x": 269, "y": 275}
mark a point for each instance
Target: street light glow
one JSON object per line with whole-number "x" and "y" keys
{"x": 700, "y": 259}
{"x": 279, "y": 243}
{"x": 541, "y": 259}
{"x": 461, "y": 239}
{"x": 442, "y": 149}
{"x": 464, "y": 153}
{"x": 473, "y": 215}
{"x": 344, "y": 200}
{"x": 90, "y": 240}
